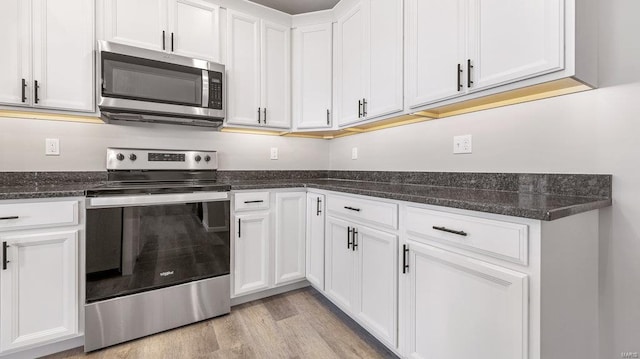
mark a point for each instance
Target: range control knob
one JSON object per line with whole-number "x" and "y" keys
{"x": 120, "y": 157}
{"x": 133, "y": 157}
{"x": 207, "y": 158}
{"x": 198, "y": 158}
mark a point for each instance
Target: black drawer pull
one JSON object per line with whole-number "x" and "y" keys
{"x": 405, "y": 262}
{"x": 239, "y": 228}
{"x": 35, "y": 89}
{"x": 354, "y": 239}
{"x": 444, "y": 229}
{"x": 24, "y": 90}
{"x": 318, "y": 210}
{"x": 257, "y": 201}
{"x": 352, "y": 209}
{"x": 8, "y": 218}
{"x": 4, "y": 255}
{"x": 348, "y": 237}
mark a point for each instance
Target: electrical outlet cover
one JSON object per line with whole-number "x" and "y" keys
{"x": 462, "y": 144}
{"x": 52, "y": 147}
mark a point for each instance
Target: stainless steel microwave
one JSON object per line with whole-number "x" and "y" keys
{"x": 136, "y": 84}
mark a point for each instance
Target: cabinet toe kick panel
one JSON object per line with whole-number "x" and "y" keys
{"x": 142, "y": 314}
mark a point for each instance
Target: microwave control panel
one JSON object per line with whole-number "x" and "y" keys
{"x": 215, "y": 90}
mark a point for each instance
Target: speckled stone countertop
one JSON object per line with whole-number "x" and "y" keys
{"x": 537, "y": 196}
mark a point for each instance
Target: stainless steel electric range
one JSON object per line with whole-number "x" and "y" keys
{"x": 157, "y": 245}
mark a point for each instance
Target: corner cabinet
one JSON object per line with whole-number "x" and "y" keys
{"x": 259, "y": 72}
{"x": 315, "y": 239}
{"x": 184, "y": 27}
{"x": 369, "y": 42}
{"x": 47, "y": 61}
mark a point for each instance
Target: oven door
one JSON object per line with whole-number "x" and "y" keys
{"x": 140, "y": 243}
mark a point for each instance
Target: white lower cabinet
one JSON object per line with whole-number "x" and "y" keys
{"x": 289, "y": 261}
{"x": 315, "y": 239}
{"x": 251, "y": 270}
{"x": 459, "y": 307}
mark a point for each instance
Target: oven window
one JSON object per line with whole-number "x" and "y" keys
{"x": 134, "y": 78}
{"x": 136, "y": 249}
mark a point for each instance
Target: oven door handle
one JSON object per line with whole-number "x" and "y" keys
{"x": 155, "y": 199}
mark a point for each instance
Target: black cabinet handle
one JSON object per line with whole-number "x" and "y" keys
{"x": 264, "y": 111}
{"x": 172, "y": 42}
{"x": 256, "y": 201}
{"x": 469, "y": 67}
{"x": 459, "y": 77}
{"x": 359, "y": 108}
{"x": 8, "y": 218}
{"x": 318, "y": 201}
{"x": 354, "y": 239}
{"x": 24, "y": 90}
{"x": 405, "y": 262}
{"x": 239, "y": 227}
{"x": 348, "y": 237}
{"x": 4, "y": 255}
{"x": 352, "y": 209}
{"x": 35, "y": 88}
{"x": 328, "y": 117}
{"x": 364, "y": 107}
{"x": 259, "y": 114}
{"x": 163, "y": 40}
{"x": 444, "y": 229}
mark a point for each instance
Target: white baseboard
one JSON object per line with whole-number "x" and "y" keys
{"x": 268, "y": 293}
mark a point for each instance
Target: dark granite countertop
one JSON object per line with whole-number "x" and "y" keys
{"x": 519, "y": 203}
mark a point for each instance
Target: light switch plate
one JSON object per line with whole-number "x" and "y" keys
{"x": 274, "y": 153}
{"x": 52, "y": 147}
{"x": 462, "y": 144}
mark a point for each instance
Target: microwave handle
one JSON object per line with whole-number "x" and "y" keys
{"x": 205, "y": 88}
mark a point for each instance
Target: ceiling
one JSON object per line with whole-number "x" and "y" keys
{"x": 294, "y": 7}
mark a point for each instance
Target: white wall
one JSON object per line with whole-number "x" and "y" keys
{"x": 591, "y": 132}
{"x": 83, "y": 146}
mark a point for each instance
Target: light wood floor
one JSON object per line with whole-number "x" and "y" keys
{"x": 299, "y": 324}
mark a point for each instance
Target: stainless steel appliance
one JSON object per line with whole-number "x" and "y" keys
{"x": 137, "y": 84}
{"x": 157, "y": 245}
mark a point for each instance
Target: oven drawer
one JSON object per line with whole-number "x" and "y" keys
{"x": 251, "y": 201}
{"x": 498, "y": 239}
{"x": 38, "y": 214}
{"x": 376, "y": 213}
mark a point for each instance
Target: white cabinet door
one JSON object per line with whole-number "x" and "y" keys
{"x": 194, "y": 25}
{"x": 39, "y": 288}
{"x": 251, "y": 253}
{"x": 140, "y": 23}
{"x": 512, "y": 40}
{"x": 339, "y": 264}
{"x": 350, "y": 67}
{"x": 276, "y": 75}
{"x": 312, "y": 75}
{"x": 15, "y": 62}
{"x": 63, "y": 54}
{"x": 290, "y": 237}
{"x": 385, "y": 67}
{"x": 243, "y": 69}
{"x": 460, "y": 307}
{"x": 315, "y": 240}
{"x": 435, "y": 50}
{"x": 376, "y": 274}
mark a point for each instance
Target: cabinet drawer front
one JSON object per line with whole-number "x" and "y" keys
{"x": 377, "y": 213}
{"x": 250, "y": 201}
{"x": 24, "y": 215}
{"x": 498, "y": 239}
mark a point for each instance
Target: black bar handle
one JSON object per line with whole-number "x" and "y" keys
{"x": 354, "y": 239}
{"x": 348, "y": 237}
{"x": 364, "y": 107}
{"x": 24, "y": 90}
{"x": 259, "y": 114}
{"x": 163, "y": 40}
{"x": 239, "y": 227}
{"x": 256, "y": 201}
{"x": 352, "y": 209}
{"x": 4, "y": 255}
{"x": 328, "y": 117}
{"x": 405, "y": 262}
{"x": 264, "y": 111}
{"x": 359, "y": 108}
{"x": 444, "y": 229}
{"x": 172, "y": 42}
{"x": 469, "y": 67}
{"x": 35, "y": 88}
{"x": 318, "y": 210}
{"x": 459, "y": 77}
{"x": 8, "y": 218}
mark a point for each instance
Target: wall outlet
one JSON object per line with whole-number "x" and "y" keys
{"x": 52, "y": 147}
{"x": 274, "y": 153}
{"x": 354, "y": 153}
{"x": 462, "y": 144}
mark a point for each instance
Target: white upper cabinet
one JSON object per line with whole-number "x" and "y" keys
{"x": 195, "y": 27}
{"x": 511, "y": 40}
{"x": 63, "y": 54}
{"x": 369, "y": 65}
{"x": 435, "y": 49}
{"x": 48, "y": 54}
{"x": 259, "y": 72}
{"x": 276, "y": 75}
{"x": 312, "y": 76}
{"x": 185, "y": 27}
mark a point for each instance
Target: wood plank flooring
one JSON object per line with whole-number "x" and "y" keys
{"x": 299, "y": 324}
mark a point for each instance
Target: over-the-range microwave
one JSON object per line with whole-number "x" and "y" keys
{"x": 136, "y": 84}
